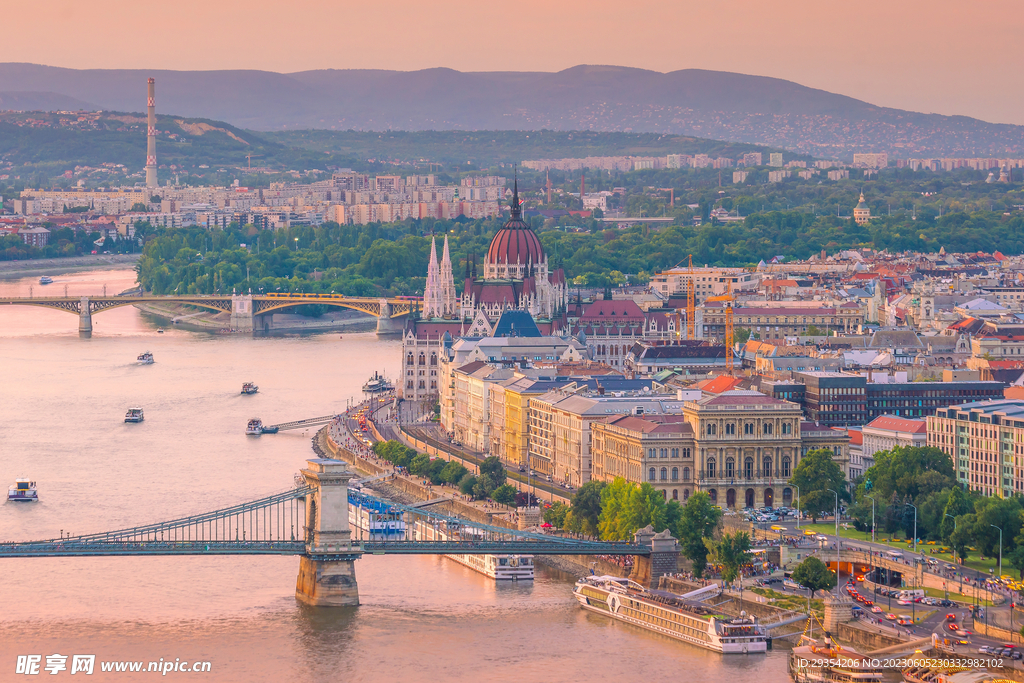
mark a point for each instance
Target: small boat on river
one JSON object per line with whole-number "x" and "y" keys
{"x": 250, "y": 388}
{"x": 378, "y": 384}
{"x": 255, "y": 427}
{"x": 45, "y": 280}
{"x": 134, "y": 415}
{"x": 23, "y": 491}
{"x": 145, "y": 358}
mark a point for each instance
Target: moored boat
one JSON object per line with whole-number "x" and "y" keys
{"x": 23, "y": 491}
{"x": 500, "y": 567}
{"x": 145, "y": 358}
{"x": 672, "y": 615}
{"x": 254, "y": 427}
{"x": 378, "y": 384}
{"x": 134, "y": 415}
{"x": 250, "y": 388}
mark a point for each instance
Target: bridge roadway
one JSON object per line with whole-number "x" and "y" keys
{"x": 244, "y": 308}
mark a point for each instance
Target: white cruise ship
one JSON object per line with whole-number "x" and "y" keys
{"x": 671, "y": 615}
{"x": 497, "y": 567}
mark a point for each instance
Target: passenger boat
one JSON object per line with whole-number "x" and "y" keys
{"x": 500, "y": 567}
{"x": 672, "y": 615}
{"x": 374, "y": 517}
{"x": 378, "y": 384}
{"x": 249, "y": 388}
{"x": 255, "y": 427}
{"x": 145, "y": 358}
{"x": 134, "y": 415}
{"x": 45, "y": 280}
{"x": 830, "y": 662}
{"x": 23, "y": 491}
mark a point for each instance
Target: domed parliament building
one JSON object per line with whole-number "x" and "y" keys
{"x": 516, "y": 276}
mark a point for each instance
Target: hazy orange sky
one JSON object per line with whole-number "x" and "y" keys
{"x": 943, "y": 56}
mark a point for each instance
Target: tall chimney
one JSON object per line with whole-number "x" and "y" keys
{"x": 151, "y": 180}
{"x": 583, "y": 185}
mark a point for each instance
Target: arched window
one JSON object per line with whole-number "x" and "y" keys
{"x": 712, "y": 429}
{"x": 664, "y": 474}
{"x": 711, "y": 468}
{"x": 730, "y": 428}
{"x": 675, "y": 474}
{"x": 730, "y": 468}
{"x": 748, "y": 468}
{"x": 686, "y": 494}
{"x": 767, "y": 427}
{"x": 423, "y": 359}
{"x": 675, "y": 494}
{"x": 433, "y": 359}
{"x": 410, "y": 360}
{"x": 785, "y": 467}
{"x": 767, "y": 467}
{"x": 686, "y": 474}
{"x": 651, "y": 474}
{"x": 787, "y": 428}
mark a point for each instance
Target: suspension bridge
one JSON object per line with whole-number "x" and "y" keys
{"x": 312, "y": 521}
{"x": 247, "y": 310}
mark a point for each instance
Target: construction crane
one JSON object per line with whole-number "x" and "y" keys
{"x": 727, "y": 298}
{"x": 249, "y": 157}
{"x": 691, "y": 304}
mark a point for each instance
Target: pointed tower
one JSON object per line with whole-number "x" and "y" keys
{"x": 432, "y": 291}
{"x": 446, "y": 285}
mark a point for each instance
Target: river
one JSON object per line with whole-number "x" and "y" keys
{"x": 421, "y": 618}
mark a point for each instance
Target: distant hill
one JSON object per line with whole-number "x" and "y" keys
{"x": 707, "y": 104}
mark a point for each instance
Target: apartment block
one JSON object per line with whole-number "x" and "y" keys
{"x": 985, "y": 440}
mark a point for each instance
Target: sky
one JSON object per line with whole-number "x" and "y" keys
{"x": 941, "y": 56}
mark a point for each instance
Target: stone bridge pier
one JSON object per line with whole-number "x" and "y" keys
{"x": 664, "y": 558}
{"x": 84, "y": 318}
{"x": 386, "y": 325}
{"x": 242, "y": 317}
{"x": 327, "y": 576}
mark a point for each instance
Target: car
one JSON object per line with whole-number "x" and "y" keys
{"x": 901, "y": 601}
{"x": 950, "y": 617}
{"x": 984, "y": 650}
{"x": 952, "y": 627}
{"x": 1018, "y": 655}
{"x": 877, "y": 610}
{"x": 867, "y": 602}
{"x": 1006, "y": 652}
{"x": 905, "y": 622}
{"x": 891, "y": 617}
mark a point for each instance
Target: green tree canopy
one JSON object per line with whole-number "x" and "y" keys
{"x": 731, "y": 552}
{"x": 586, "y": 506}
{"x": 815, "y": 474}
{"x": 813, "y": 575}
{"x": 699, "y": 520}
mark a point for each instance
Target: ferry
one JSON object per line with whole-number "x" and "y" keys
{"x": 134, "y": 415}
{"x": 249, "y": 388}
{"x": 499, "y": 567}
{"x": 45, "y": 280}
{"x": 378, "y": 384}
{"x": 23, "y": 491}
{"x": 672, "y": 615}
{"x": 145, "y": 358}
{"x": 255, "y": 427}
{"x": 830, "y": 662}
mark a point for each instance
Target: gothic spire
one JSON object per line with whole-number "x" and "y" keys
{"x": 517, "y": 211}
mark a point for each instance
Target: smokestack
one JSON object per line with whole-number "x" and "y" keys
{"x": 151, "y": 180}
{"x": 583, "y": 185}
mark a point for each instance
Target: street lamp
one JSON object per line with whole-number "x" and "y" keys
{"x": 296, "y": 244}
{"x": 1000, "y": 550}
{"x": 954, "y": 555}
{"x": 872, "y": 517}
{"x": 837, "y": 537}
{"x": 797, "y": 505}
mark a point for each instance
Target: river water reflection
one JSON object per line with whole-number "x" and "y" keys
{"x": 421, "y": 618}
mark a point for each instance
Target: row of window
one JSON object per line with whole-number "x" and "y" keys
{"x": 653, "y": 472}
{"x": 767, "y": 428}
{"x": 748, "y": 468}
{"x": 665, "y": 452}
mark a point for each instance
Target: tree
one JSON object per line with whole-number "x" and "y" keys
{"x": 731, "y": 552}
{"x": 586, "y": 506}
{"x": 467, "y": 484}
{"x": 813, "y": 575}
{"x": 698, "y": 521}
{"x": 1016, "y": 560}
{"x": 957, "y": 504}
{"x": 420, "y": 465}
{"x": 813, "y": 331}
{"x": 492, "y": 467}
{"x": 453, "y": 472}
{"x": 555, "y": 515}
{"x": 504, "y": 494}
{"x": 741, "y": 335}
{"x": 815, "y": 474}
{"x": 1004, "y": 513}
{"x": 963, "y": 536}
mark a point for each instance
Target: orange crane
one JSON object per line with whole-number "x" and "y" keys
{"x": 691, "y": 306}
{"x": 728, "y": 298}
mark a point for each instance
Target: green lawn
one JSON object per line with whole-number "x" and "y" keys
{"x": 793, "y": 602}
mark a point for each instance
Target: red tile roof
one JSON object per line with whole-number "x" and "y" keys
{"x": 898, "y": 424}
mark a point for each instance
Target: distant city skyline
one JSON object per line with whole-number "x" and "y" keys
{"x": 938, "y": 56}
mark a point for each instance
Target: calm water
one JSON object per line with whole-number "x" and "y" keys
{"x": 422, "y": 618}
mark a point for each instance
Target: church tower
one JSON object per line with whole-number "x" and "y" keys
{"x": 432, "y": 307}
{"x": 447, "y": 300}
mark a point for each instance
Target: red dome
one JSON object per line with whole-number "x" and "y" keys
{"x": 516, "y": 242}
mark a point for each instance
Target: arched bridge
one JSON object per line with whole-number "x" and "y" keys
{"x": 243, "y": 307}
{"x": 313, "y": 521}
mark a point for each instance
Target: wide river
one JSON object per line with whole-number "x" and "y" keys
{"x": 421, "y": 618}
